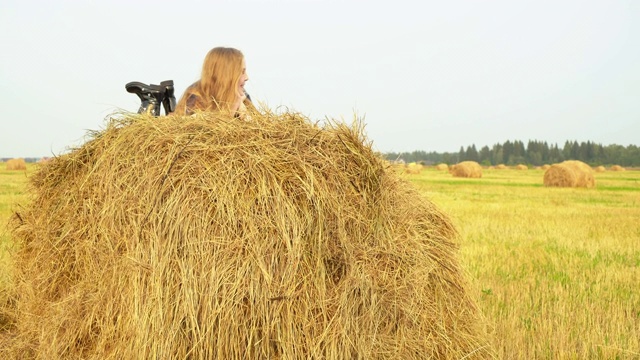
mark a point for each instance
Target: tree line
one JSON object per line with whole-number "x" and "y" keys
{"x": 535, "y": 153}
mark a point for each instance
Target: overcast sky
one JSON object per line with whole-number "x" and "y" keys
{"x": 424, "y": 75}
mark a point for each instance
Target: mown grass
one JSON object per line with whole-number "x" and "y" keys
{"x": 12, "y": 193}
{"x": 556, "y": 271}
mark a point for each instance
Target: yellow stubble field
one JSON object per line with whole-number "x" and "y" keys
{"x": 556, "y": 271}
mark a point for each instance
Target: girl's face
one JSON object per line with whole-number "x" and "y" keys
{"x": 243, "y": 78}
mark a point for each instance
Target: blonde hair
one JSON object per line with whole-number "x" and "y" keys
{"x": 218, "y": 84}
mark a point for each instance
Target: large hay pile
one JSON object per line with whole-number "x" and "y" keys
{"x": 209, "y": 237}
{"x": 469, "y": 169}
{"x": 570, "y": 173}
{"x": 442, "y": 166}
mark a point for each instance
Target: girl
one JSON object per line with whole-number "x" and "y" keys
{"x": 221, "y": 85}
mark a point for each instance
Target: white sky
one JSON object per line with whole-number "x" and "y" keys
{"x": 425, "y": 75}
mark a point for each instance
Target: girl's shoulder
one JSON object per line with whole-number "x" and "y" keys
{"x": 192, "y": 100}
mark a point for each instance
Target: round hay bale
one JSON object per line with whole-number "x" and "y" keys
{"x": 617, "y": 168}
{"x": 522, "y": 167}
{"x": 208, "y": 237}
{"x": 600, "y": 169}
{"x": 501, "y": 166}
{"x": 16, "y": 164}
{"x": 545, "y": 166}
{"x": 570, "y": 173}
{"x": 413, "y": 168}
{"x": 469, "y": 169}
{"x": 442, "y": 166}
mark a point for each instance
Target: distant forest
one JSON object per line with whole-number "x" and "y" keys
{"x": 535, "y": 153}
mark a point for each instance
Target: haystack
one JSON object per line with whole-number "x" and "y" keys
{"x": 207, "y": 237}
{"x": 469, "y": 169}
{"x": 413, "y": 168}
{"x": 442, "y": 166}
{"x": 599, "y": 169}
{"x": 570, "y": 173}
{"x": 501, "y": 166}
{"x": 617, "y": 168}
{"x": 522, "y": 167}
{"x": 16, "y": 164}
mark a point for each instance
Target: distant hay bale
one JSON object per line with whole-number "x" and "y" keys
{"x": 617, "y": 168}
{"x": 599, "y": 169}
{"x": 16, "y": 164}
{"x": 442, "y": 166}
{"x": 207, "y": 237}
{"x": 501, "y": 166}
{"x": 413, "y": 168}
{"x": 545, "y": 166}
{"x": 570, "y": 173}
{"x": 469, "y": 169}
{"x": 522, "y": 167}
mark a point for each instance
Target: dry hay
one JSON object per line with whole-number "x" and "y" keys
{"x": 570, "y": 173}
{"x": 442, "y": 166}
{"x": 522, "y": 167}
{"x": 600, "y": 169}
{"x": 398, "y": 167}
{"x": 545, "y": 166}
{"x": 501, "y": 166}
{"x": 413, "y": 168}
{"x": 209, "y": 237}
{"x": 469, "y": 169}
{"x": 16, "y": 164}
{"x": 617, "y": 168}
